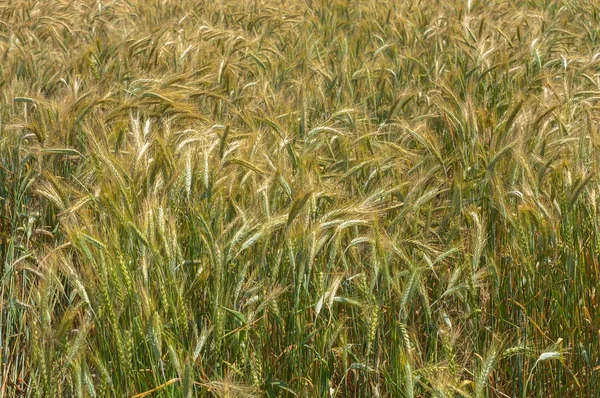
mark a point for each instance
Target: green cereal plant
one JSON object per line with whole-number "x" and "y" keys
{"x": 314, "y": 198}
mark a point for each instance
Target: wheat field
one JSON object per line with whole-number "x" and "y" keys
{"x": 301, "y": 198}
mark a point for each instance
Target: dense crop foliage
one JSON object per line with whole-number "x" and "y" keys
{"x": 317, "y": 198}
